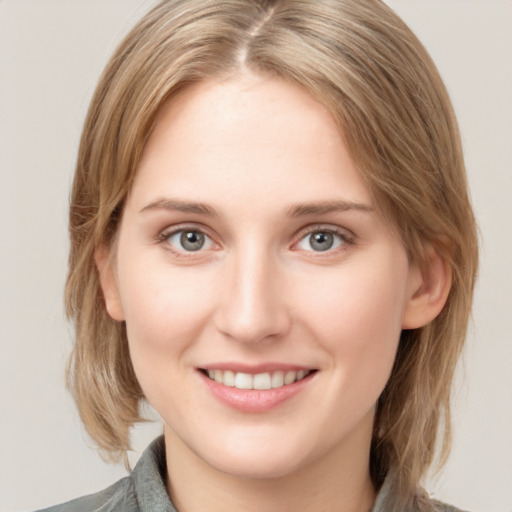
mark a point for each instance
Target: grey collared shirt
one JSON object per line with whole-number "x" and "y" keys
{"x": 144, "y": 491}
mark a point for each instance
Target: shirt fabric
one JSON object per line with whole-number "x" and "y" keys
{"x": 144, "y": 490}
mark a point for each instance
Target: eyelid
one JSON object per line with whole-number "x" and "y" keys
{"x": 348, "y": 237}
{"x": 164, "y": 235}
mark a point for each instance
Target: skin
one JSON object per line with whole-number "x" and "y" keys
{"x": 253, "y": 148}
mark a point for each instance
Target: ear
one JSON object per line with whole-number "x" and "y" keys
{"x": 108, "y": 281}
{"x": 428, "y": 291}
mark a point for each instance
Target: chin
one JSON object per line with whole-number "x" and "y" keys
{"x": 257, "y": 468}
{"x": 259, "y": 459}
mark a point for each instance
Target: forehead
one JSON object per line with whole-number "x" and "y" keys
{"x": 248, "y": 131}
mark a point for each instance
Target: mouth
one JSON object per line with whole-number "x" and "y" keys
{"x": 256, "y": 389}
{"x": 257, "y": 381}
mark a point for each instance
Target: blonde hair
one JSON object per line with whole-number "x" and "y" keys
{"x": 366, "y": 66}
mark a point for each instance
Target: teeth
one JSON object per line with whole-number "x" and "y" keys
{"x": 229, "y": 379}
{"x": 262, "y": 381}
{"x": 277, "y": 379}
{"x": 243, "y": 381}
{"x": 290, "y": 377}
{"x": 265, "y": 380}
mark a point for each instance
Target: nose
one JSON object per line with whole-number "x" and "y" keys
{"x": 252, "y": 304}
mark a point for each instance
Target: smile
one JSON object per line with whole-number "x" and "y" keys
{"x": 259, "y": 381}
{"x": 256, "y": 389}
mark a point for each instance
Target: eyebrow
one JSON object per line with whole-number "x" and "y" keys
{"x": 297, "y": 210}
{"x": 181, "y": 206}
{"x": 324, "y": 207}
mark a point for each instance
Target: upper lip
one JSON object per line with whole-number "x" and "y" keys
{"x": 256, "y": 368}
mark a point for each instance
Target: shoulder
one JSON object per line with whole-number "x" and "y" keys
{"x": 389, "y": 498}
{"x": 144, "y": 485}
{"x": 424, "y": 503}
{"x": 118, "y": 497}
{"x": 443, "y": 507}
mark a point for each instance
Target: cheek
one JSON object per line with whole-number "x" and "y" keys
{"x": 356, "y": 316}
{"x": 165, "y": 313}
{"x": 164, "y": 309}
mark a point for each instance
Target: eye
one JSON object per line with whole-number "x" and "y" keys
{"x": 189, "y": 240}
{"x": 322, "y": 241}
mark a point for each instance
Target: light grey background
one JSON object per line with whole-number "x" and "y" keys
{"x": 51, "y": 54}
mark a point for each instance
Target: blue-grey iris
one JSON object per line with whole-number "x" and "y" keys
{"x": 192, "y": 240}
{"x": 321, "y": 241}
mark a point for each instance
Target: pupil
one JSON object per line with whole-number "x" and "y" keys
{"x": 192, "y": 240}
{"x": 321, "y": 241}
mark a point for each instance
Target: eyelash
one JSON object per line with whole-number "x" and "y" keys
{"x": 164, "y": 237}
{"x": 345, "y": 239}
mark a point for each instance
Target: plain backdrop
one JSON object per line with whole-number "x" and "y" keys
{"x": 51, "y": 54}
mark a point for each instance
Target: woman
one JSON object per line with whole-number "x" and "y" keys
{"x": 272, "y": 244}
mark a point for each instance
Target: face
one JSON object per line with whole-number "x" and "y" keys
{"x": 263, "y": 294}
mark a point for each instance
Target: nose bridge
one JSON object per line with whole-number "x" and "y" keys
{"x": 253, "y": 305}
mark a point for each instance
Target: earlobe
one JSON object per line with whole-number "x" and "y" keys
{"x": 104, "y": 264}
{"x": 429, "y": 289}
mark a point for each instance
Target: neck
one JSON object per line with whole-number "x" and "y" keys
{"x": 338, "y": 482}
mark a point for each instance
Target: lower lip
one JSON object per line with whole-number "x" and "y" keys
{"x": 255, "y": 400}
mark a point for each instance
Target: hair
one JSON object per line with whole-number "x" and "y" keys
{"x": 365, "y": 65}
